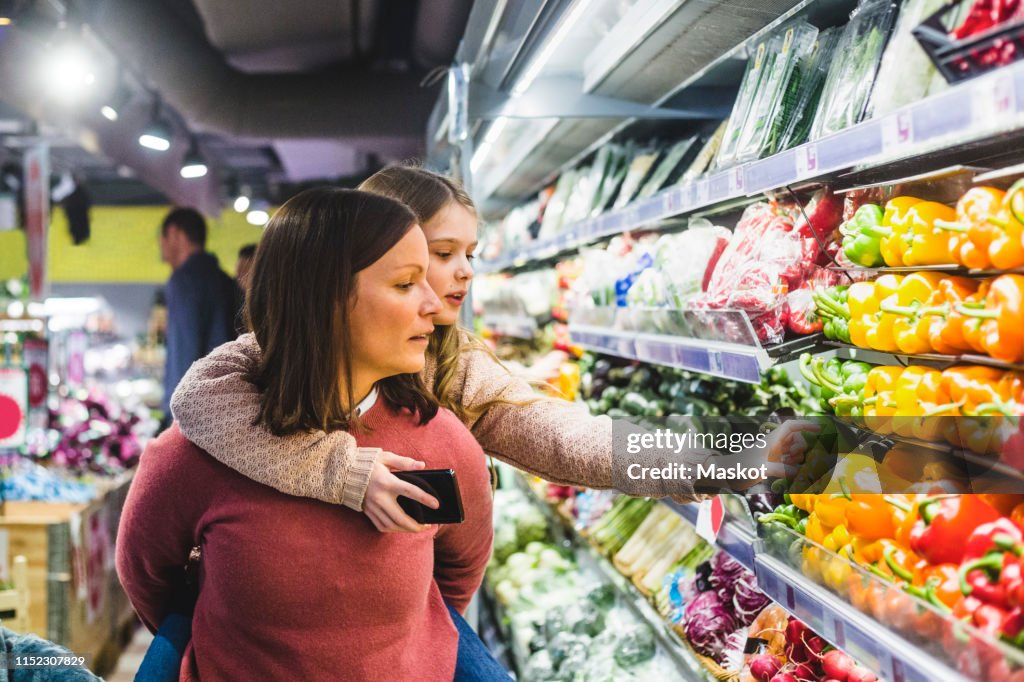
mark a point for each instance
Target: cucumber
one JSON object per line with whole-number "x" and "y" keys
{"x": 634, "y": 403}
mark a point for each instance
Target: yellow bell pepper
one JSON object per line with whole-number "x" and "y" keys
{"x": 937, "y": 408}
{"x": 896, "y": 220}
{"x": 803, "y": 501}
{"x": 908, "y": 406}
{"x": 929, "y": 245}
{"x": 879, "y": 404}
{"x": 881, "y": 335}
{"x": 816, "y": 531}
{"x": 917, "y": 299}
{"x": 831, "y": 510}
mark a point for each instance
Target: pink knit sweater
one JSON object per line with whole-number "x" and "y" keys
{"x": 216, "y": 409}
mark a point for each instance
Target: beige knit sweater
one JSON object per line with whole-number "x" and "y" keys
{"x": 216, "y": 409}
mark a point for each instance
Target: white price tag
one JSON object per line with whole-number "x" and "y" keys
{"x": 736, "y": 181}
{"x": 714, "y": 361}
{"x": 703, "y": 192}
{"x": 673, "y": 201}
{"x": 993, "y": 102}
{"x": 897, "y": 131}
{"x": 806, "y": 160}
{"x": 710, "y": 515}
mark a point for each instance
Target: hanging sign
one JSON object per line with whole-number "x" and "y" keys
{"x": 37, "y": 216}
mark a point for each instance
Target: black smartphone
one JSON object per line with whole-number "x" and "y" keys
{"x": 443, "y": 486}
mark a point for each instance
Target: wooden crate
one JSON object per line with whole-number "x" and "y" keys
{"x": 75, "y": 598}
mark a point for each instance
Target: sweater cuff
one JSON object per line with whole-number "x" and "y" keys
{"x": 358, "y": 477}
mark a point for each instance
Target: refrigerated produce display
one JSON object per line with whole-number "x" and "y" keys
{"x": 839, "y": 237}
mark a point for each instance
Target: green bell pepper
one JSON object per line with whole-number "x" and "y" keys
{"x": 862, "y": 235}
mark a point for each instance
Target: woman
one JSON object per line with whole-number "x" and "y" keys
{"x": 292, "y": 588}
{"x": 555, "y": 439}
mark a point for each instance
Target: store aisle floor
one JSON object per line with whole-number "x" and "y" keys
{"x": 132, "y": 657}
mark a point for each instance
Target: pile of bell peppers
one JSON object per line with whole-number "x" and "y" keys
{"x": 963, "y": 554}
{"x": 929, "y": 312}
{"x": 919, "y": 402}
{"x": 984, "y": 231}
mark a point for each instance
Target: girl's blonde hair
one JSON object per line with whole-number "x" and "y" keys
{"x": 427, "y": 194}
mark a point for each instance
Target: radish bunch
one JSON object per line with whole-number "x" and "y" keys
{"x": 807, "y": 658}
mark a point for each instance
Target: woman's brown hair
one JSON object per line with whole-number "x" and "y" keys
{"x": 303, "y": 277}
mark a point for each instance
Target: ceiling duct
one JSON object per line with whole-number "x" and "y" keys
{"x": 196, "y": 79}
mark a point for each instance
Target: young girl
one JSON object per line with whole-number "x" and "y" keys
{"x": 555, "y": 439}
{"x": 289, "y": 587}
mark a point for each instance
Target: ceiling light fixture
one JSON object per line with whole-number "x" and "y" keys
{"x": 116, "y": 103}
{"x": 156, "y": 135}
{"x": 537, "y": 63}
{"x": 257, "y": 217}
{"x": 193, "y": 165}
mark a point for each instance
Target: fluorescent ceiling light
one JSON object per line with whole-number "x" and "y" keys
{"x": 109, "y": 112}
{"x": 241, "y": 203}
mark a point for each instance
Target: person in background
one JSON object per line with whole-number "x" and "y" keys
{"x": 202, "y": 300}
{"x": 243, "y": 265}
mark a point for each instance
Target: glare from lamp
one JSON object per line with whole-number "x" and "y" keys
{"x": 68, "y": 73}
{"x": 156, "y": 142}
{"x": 109, "y": 112}
{"x": 241, "y": 204}
{"x": 257, "y": 217}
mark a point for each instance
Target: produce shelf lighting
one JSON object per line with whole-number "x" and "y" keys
{"x": 551, "y": 43}
{"x": 496, "y": 129}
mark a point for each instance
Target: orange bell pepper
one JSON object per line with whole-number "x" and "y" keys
{"x": 946, "y": 331}
{"x": 870, "y": 517}
{"x": 1006, "y": 250}
{"x": 972, "y": 232}
{"x": 1002, "y": 329}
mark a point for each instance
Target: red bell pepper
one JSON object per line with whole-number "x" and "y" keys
{"x": 1001, "y": 534}
{"x": 944, "y": 525}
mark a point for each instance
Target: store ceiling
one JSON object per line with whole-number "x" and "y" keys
{"x": 277, "y": 94}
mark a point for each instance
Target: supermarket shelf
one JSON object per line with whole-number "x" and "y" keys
{"x": 727, "y": 360}
{"x": 737, "y": 361}
{"x": 869, "y": 642}
{"x": 733, "y": 538}
{"x": 928, "y": 359}
{"x": 951, "y": 268}
{"x": 977, "y": 109}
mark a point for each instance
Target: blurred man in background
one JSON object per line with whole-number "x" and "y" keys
{"x": 202, "y": 300}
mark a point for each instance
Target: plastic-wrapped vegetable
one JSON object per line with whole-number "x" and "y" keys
{"x": 639, "y": 169}
{"x": 788, "y": 47}
{"x": 705, "y": 155}
{"x": 667, "y": 169}
{"x": 792, "y": 125}
{"x": 741, "y": 109}
{"x": 852, "y": 75}
{"x": 906, "y": 74}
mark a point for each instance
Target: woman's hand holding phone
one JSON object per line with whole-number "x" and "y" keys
{"x": 380, "y": 503}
